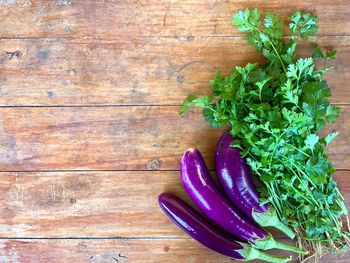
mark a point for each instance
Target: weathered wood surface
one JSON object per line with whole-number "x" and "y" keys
{"x": 78, "y": 18}
{"x": 108, "y": 138}
{"x": 68, "y": 204}
{"x": 117, "y": 138}
{"x": 94, "y": 204}
{"x": 117, "y": 251}
{"x": 96, "y": 55}
{"x": 102, "y": 251}
{"x": 157, "y": 71}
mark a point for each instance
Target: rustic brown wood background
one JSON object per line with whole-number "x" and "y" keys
{"x": 89, "y": 127}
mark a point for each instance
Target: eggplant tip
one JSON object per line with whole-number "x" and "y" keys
{"x": 160, "y": 197}
{"x": 189, "y": 151}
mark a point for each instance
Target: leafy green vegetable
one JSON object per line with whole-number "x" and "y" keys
{"x": 276, "y": 111}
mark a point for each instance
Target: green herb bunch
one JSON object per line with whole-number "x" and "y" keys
{"x": 275, "y": 112}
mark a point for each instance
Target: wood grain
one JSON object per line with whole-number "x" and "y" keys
{"x": 85, "y": 58}
{"x": 113, "y": 138}
{"x": 118, "y": 251}
{"x": 141, "y": 71}
{"x": 77, "y": 18}
{"x": 102, "y": 251}
{"x": 94, "y": 204}
{"x": 77, "y": 204}
{"x": 117, "y": 138}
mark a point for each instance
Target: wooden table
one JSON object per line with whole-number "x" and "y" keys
{"x": 90, "y": 133}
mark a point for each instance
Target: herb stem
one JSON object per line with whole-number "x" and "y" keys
{"x": 302, "y": 172}
{"x": 306, "y": 188}
{"x": 273, "y": 47}
{"x": 295, "y": 148}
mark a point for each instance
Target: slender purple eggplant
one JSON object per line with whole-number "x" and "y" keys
{"x": 235, "y": 177}
{"x": 199, "y": 229}
{"x": 204, "y": 193}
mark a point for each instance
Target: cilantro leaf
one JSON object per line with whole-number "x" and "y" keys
{"x": 192, "y": 101}
{"x": 273, "y": 26}
{"x": 187, "y": 103}
{"x": 303, "y": 25}
{"x": 331, "y": 53}
{"x": 330, "y": 137}
{"x": 316, "y": 51}
{"x": 332, "y": 113}
{"x": 290, "y": 94}
{"x": 311, "y": 141}
{"x": 246, "y": 20}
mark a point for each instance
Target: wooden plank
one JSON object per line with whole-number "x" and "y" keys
{"x": 94, "y": 204}
{"x": 73, "y": 18}
{"x": 122, "y": 251}
{"x": 113, "y": 138}
{"x": 86, "y": 204}
{"x": 117, "y": 138}
{"x": 98, "y": 251}
{"x": 132, "y": 71}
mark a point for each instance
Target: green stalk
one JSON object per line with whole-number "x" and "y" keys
{"x": 307, "y": 177}
{"x": 270, "y": 243}
{"x": 301, "y": 181}
{"x": 303, "y": 196}
{"x": 250, "y": 253}
{"x": 273, "y": 47}
{"x": 336, "y": 222}
{"x": 274, "y": 200}
{"x": 270, "y": 219}
{"x": 277, "y": 145}
{"x": 298, "y": 149}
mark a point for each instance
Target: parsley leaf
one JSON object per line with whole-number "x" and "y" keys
{"x": 303, "y": 24}
{"x": 192, "y": 101}
{"x": 316, "y": 51}
{"x": 311, "y": 141}
{"x": 330, "y": 137}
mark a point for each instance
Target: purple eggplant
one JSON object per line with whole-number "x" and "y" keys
{"x": 194, "y": 225}
{"x": 204, "y": 193}
{"x": 234, "y": 175}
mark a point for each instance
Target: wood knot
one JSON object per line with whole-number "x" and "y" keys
{"x": 166, "y": 248}
{"x": 13, "y": 54}
{"x": 154, "y": 164}
{"x": 180, "y": 79}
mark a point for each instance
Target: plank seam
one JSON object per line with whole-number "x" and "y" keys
{"x": 92, "y": 170}
{"x": 97, "y": 238}
{"x": 112, "y": 170}
{"x": 107, "y": 238}
{"x": 90, "y": 105}
{"x": 237, "y": 37}
{"x": 113, "y": 105}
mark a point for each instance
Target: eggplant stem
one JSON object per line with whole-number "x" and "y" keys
{"x": 286, "y": 230}
{"x": 283, "y": 246}
{"x": 271, "y": 219}
{"x": 250, "y": 253}
{"x": 270, "y": 243}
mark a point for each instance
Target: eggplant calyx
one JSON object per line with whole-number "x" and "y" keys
{"x": 269, "y": 243}
{"x": 250, "y": 253}
{"x": 270, "y": 218}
